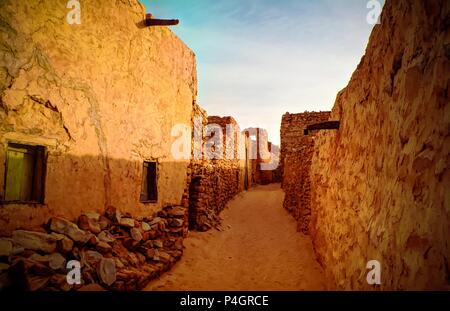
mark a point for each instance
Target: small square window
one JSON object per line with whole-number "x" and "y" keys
{"x": 25, "y": 173}
{"x": 149, "y": 188}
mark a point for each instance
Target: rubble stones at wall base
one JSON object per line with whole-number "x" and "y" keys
{"x": 115, "y": 259}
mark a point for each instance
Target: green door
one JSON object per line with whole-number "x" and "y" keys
{"x": 19, "y": 174}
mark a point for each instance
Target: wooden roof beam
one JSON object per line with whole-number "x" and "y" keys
{"x": 327, "y": 125}
{"x": 150, "y": 21}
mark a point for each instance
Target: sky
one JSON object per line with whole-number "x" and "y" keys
{"x": 258, "y": 59}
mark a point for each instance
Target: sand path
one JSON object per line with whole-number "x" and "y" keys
{"x": 258, "y": 249}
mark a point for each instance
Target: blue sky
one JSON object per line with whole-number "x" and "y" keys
{"x": 257, "y": 59}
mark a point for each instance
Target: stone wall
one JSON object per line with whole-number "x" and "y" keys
{"x": 101, "y": 96}
{"x": 235, "y": 155}
{"x": 277, "y": 174}
{"x": 295, "y": 163}
{"x": 264, "y": 157}
{"x": 380, "y": 185}
{"x": 214, "y": 181}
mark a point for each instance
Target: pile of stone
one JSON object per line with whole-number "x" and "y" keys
{"x": 115, "y": 251}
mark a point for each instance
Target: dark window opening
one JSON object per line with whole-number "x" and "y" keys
{"x": 25, "y": 174}
{"x": 149, "y": 189}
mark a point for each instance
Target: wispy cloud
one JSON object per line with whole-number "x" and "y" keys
{"x": 258, "y": 59}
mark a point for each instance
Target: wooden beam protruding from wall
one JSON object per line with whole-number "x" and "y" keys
{"x": 150, "y": 21}
{"x": 327, "y": 125}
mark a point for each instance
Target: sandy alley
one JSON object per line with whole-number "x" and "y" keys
{"x": 258, "y": 248}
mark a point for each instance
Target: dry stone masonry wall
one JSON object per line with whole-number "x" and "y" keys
{"x": 214, "y": 182}
{"x": 380, "y": 185}
{"x": 295, "y": 163}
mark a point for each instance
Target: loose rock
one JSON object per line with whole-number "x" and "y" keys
{"x": 91, "y": 258}
{"x": 89, "y": 224}
{"x": 158, "y": 243}
{"x": 177, "y": 212}
{"x": 65, "y": 245}
{"x": 145, "y": 226}
{"x": 154, "y": 221}
{"x": 176, "y": 222}
{"x": 136, "y": 234}
{"x": 165, "y": 257}
{"x": 55, "y": 261}
{"x": 105, "y": 236}
{"x": 6, "y": 247}
{"x": 35, "y": 240}
{"x": 136, "y": 250}
{"x": 107, "y": 271}
{"x": 127, "y": 222}
{"x": 104, "y": 223}
{"x": 63, "y": 226}
{"x": 94, "y": 240}
{"x": 93, "y": 216}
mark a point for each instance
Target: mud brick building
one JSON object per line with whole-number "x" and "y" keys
{"x": 295, "y": 163}
{"x": 83, "y": 118}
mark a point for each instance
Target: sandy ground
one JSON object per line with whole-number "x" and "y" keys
{"x": 258, "y": 249}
